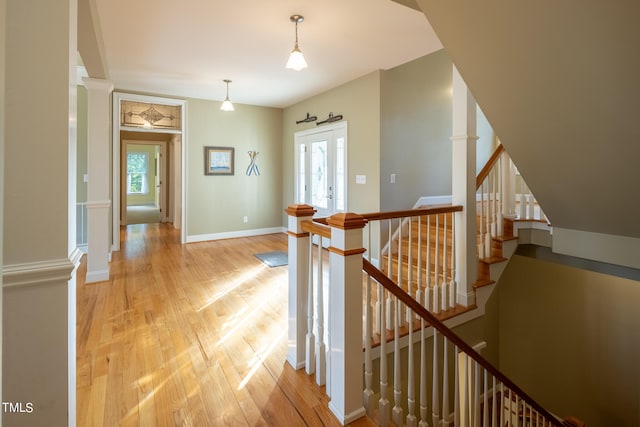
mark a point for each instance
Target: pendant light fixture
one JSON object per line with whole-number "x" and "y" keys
{"x": 296, "y": 60}
{"x": 226, "y": 104}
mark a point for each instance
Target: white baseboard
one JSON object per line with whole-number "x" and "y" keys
{"x": 235, "y": 234}
{"x": 97, "y": 276}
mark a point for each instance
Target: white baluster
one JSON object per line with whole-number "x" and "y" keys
{"x": 487, "y": 236}
{"x": 494, "y": 405}
{"x": 411, "y": 421}
{"x": 397, "y": 414}
{"x": 310, "y": 363}
{"x": 456, "y": 390}
{"x": 384, "y": 408}
{"x": 523, "y": 200}
{"x": 419, "y": 291}
{"x": 452, "y": 284}
{"x": 436, "y": 285}
{"x": 410, "y": 270}
{"x": 423, "y": 377}
{"x": 481, "y": 224}
{"x": 516, "y": 410}
{"x": 399, "y": 307}
{"x": 476, "y": 395}
{"x": 485, "y": 402}
{"x": 501, "y": 198}
{"x": 321, "y": 353}
{"x": 390, "y": 306}
{"x": 435, "y": 388}
{"x": 429, "y": 284}
{"x": 368, "y": 363}
{"x": 445, "y": 282}
{"x": 445, "y": 382}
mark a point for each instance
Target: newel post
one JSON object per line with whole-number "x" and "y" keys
{"x": 345, "y": 363}
{"x": 298, "y": 276}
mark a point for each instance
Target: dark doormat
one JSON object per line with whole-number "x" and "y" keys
{"x": 273, "y": 259}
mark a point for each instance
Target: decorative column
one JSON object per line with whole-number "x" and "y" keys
{"x": 464, "y": 187}
{"x": 298, "y": 277}
{"x": 345, "y": 363}
{"x": 98, "y": 199}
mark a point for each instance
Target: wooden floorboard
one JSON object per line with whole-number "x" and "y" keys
{"x": 190, "y": 335}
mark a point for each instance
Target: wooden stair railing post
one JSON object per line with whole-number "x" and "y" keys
{"x": 464, "y": 187}
{"x": 344, "y": 382}
{"x": 298, "y": 283}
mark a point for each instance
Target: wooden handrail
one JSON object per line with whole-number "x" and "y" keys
{"x": 315, "y": 228}
{"x": 417, "y": 308}
{"x": 487, "y": 167}
{"x": 377, "y": 216}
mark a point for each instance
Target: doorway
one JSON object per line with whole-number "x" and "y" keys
{"x": 144, "y": 174}
{"x": 321, "y": 168}
{"x": 150, "y": 120}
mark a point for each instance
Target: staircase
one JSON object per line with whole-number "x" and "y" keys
{"x": 424, "y": 372}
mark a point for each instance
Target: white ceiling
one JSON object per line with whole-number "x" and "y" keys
{"x": 186, "y": 49}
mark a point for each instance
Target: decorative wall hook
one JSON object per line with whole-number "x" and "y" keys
{"x": 307, "y": 119}
{"x": 330, "y": 119}
{"x": 253, "y": 166}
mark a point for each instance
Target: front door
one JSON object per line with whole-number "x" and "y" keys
{"x": 321, "y": 169}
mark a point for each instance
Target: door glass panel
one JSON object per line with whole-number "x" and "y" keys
{"x": 302, "y": 174}
{"x": 319, "y": 193}
{"x": 340, "y": 175}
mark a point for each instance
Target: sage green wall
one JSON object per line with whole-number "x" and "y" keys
{"x": 415, "y": 131}
{"x": 217, "y": 204}
{"x": 359, "y": 102}
{"x": 81, "y": 186}
{"x": 569, "y": 337}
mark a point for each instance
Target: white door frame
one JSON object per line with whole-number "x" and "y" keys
{"x": 118, "y": 97}
{"x": 161, "y": 200}
{"x": 340, "y": 127}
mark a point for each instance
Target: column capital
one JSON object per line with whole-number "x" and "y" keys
{"x": 300, "y": 210}
{"x": 98, "y": 84}
{"x": 347, "y": 221}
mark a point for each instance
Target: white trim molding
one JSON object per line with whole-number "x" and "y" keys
{"x": 37, "y": 273}
{"x": 235, "y": 234}
{"x": 609, "y": 248}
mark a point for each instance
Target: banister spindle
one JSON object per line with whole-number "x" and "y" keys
{"x": 428, "y": 286}
{"x": 410, "y": 269}
{"x": 435, "y": 384}
{"x": 485, "y": 402}
{"x": 445, "y": 282}
{"x": 420, "y": 290}
{"x": 310, "y": 361}
{"x": 476, "y": 394}
{"x": 390, "y": 306}
{"x": 456, "y": 387}
{"x": 321, "y": 351}
{"x": 384, "y": 409}
{"x": 452, "y": 284}
{"x": 445, "y": 382}
{"x": 411, "y": 421}
{"x": 397, "y": 413}
{"x": 487, "y": 235}
{"x": 436, "y": 285}
{"x": 368, "y": 362}
{"x": 423, "y": 376}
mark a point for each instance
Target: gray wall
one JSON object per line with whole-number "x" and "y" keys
{"x": 415, "y": 131}
{"x": 569, "y": 337}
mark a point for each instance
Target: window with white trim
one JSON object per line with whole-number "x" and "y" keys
{"x": 137, "y": 172}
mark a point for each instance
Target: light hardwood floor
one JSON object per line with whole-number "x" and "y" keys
{"x": 190, "y": 335}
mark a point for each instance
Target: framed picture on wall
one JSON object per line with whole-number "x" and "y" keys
{"x": 219, "y": 160}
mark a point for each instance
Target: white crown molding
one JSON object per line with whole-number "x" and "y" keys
{"x": 98, "y": 204}
{"x": 37, "y": 273}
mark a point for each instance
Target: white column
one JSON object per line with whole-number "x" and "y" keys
{"x": 98, "y": 198}
{"x": 464, "y": 187}
{"x": 39, "y": 47}
{"x": 345, "y": 313}
{"x": 298, "y": 277}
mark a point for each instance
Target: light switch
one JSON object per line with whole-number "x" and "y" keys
{"x": 361, "y": 179}
{"x": 393, "y": 178}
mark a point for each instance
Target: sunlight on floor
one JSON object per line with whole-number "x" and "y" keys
{"x": 238, "y": 281}
{"x": 262, "y": 356}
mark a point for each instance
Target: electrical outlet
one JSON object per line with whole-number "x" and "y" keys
{"x": 245, "y": 219}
